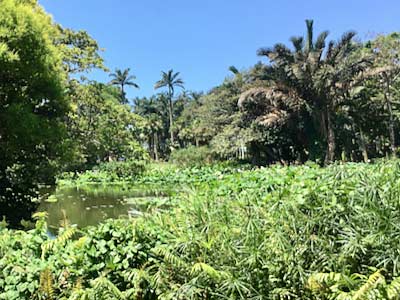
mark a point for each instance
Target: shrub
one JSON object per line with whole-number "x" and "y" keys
{"x": 192, "y": 156}
{"x": 112, "y": 171}
{"x": 122, "y": 169}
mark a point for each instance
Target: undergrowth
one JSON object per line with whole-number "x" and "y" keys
{"x": 300, "y": 232}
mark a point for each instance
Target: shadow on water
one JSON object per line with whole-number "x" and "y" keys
{"x": 91, "y": 204}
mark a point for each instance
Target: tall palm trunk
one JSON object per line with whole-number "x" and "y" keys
{"x": 155, "y": 146}
{"x": 331, "y": 141}
{"x": 391, "y": 119}
{"x": 171, "y": 120}
{"x": 363, "y": 147}
{"x": 361, "y": 141}
{"x": 151, "y": 143}
{"x": 122, "y": 94}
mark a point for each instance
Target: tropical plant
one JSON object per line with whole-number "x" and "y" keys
{"x": 386, "y": 51}
{"x": 355, "y": 286}
{"x": 170, "y": 80}
{"x": 314, "y": 76}
{"x": 122, "y": 79}
{"x": 300, "y": 232}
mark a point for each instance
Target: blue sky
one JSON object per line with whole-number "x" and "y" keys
{"x": 201, "y": 39}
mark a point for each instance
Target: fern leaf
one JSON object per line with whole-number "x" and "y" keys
{"x": 170, "y": 258}
{"x": 105, "y": 289}
{"x": 393, "y": 289}
{"x": 46, "y": 289}
{"x": 205, "y": 268}
{"x": 319, "y": 281}
{"x": 369, "y": 285}
{"x": 59, "y": 241}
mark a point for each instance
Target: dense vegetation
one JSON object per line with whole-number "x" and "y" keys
{"x": 316, "y": 100}
{"x": 302, "y": 232}
{"x": 275, "y": 195}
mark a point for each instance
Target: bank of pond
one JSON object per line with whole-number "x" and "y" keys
{"x": 214, "y": 232}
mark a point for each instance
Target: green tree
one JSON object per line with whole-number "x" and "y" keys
{"x": 122, "y": 79}
{"x": 101, "y": 128}
{"x": 80, "y": 51}
{"x": 32, "y": 106}
{"x": 315, "y": 75}
{"x": 170, "y": 80}
{"x": 386, "y": 51}
{"x": 150, "y": 110}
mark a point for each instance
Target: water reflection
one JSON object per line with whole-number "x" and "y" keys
{"x": 91, "y": 204}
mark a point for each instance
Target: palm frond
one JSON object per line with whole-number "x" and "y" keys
{"x": 298, "y": 43}
{"x": 320, "y": 42}
{"x": 310, "y": 32}
{"x": 234, "y": 70}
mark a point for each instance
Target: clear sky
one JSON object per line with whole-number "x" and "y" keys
{"x": 202, "y": 38}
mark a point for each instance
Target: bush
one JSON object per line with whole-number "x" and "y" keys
{"x": 112, "y": 171}
{"x": 122, "y": 169}
{"x": 192, "y": 156}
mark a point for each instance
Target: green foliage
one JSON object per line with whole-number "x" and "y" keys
{"x": 170, "y": 80}
{"x": 121, "y": 169}
{"x": 37, "y": 60}
{"x": 32, "y": 106}
{"x": 159, "y": 174}
{"x": 80, "y": 51}
{"x": 101, "y": 128}
{"x": 314, "y": 100}
{"x": 122, "y": 79}
{"x": 270, "y": 233}
{"x": 112, "y": 171}
{"x": 353, "y": 287}
{"x": 192, "y": 156}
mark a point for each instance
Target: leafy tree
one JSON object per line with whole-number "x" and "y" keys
{"x": 170, "y": 80}
{"x": 101, "y": 127}
{"x": 122, "y": 79}
{"x": 315, "y": 76}
{"x": 80, "y": 51}
{"x": 155, "y": 112}
{"x": 32, "y": 106}
{"x": 387, "y": 59}
{"x": 188, "y": 123}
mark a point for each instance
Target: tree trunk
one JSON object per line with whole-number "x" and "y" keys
{"x": 391, "y": 119}
{"x": 155, "y": 146}
{"x": 363, "y": 147}
{"x": 122, "y": 94}
{"x": 361, "y": 141}
{"x": 171, "y": 120}
{"x": 150, "y": 142}
{"x": 331, "y": 142}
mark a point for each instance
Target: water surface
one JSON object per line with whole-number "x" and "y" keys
{"x": 91, "y": 204}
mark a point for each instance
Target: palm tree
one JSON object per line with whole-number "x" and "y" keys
{"x": 386, "y": 52}
{"x": 122, "y": 79}
{"x": 151, "y": 110}
{"x": 170, "y": 80}
{"x": 312, "y": 75}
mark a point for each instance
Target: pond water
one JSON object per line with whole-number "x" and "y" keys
{"x": 91, "y": 204}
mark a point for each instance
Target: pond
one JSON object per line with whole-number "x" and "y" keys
{"x": 91, "y": 204}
